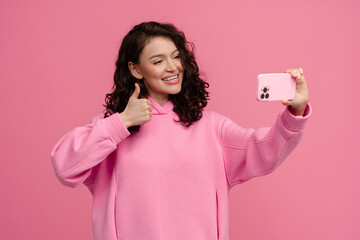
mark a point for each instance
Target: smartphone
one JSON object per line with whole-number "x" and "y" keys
{"x": 275, "y": 87}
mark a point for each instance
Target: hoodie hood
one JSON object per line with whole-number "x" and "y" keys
{"x": 166, "y": 109}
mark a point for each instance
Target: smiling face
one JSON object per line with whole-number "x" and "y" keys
{"x": 161, "y": 68}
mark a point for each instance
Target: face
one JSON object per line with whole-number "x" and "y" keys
{"x": 160, "y": 66}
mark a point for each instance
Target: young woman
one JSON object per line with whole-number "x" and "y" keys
{"x": 160, "y": 166}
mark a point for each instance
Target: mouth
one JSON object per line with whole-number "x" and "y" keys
{"x": 171, "y": 78}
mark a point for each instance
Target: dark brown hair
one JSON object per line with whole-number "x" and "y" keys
{"x": 188, "y": 103}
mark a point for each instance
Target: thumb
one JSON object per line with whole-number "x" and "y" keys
{"x": 136, "y": 92}
{"x": 286, "y": 102}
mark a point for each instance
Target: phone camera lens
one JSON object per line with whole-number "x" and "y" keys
{"x": 265, "y": 90}
{"x": 262, "y": 96}
{"x": 267, "y": 96}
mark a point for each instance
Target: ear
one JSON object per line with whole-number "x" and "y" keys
{"x": 134, "y": 70}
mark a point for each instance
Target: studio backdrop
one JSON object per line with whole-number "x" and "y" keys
{"x": 57, "y": 60}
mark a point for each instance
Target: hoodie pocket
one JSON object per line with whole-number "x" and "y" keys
{"x": 217, "y": 214}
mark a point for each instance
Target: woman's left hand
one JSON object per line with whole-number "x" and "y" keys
{"x": 298, "y": 104}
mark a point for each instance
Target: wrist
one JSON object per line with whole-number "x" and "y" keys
{"x": 125, "y": 119}
{"x": 297, "y": 111}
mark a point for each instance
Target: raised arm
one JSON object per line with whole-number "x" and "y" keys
{"x": 251, "y": 152}
{"x": 255, "y": 152}
{"x": 75, "y": 154}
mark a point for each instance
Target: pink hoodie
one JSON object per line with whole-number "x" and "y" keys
{"x": 167, "y": 181}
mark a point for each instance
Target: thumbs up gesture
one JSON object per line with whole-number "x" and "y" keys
{"x": 137, "y": 111}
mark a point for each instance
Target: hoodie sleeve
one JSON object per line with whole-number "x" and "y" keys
{"x": 251, "y": 152}
{"x": 76, "y": 153}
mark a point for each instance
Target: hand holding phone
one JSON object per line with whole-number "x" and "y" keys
{"x": 275, "y": 87}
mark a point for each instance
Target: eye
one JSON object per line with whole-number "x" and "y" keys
{"x": 157, "y": 62}
{"x": 177, "y": 56}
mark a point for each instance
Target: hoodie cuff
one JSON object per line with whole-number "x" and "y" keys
{"x": 115, "y": 128}
{"x": 295, "y": 123}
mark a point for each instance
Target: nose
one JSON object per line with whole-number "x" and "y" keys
{"x": 171, "y": 66}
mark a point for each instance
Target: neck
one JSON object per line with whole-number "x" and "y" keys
{"x": 160, "y": 99}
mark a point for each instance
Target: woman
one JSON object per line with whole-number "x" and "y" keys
{"x": 169, "y": 178}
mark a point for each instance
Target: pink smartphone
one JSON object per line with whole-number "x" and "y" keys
{"x": 275, "y": 87}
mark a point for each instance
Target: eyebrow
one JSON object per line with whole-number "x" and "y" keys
{"x": 161, "y": 55}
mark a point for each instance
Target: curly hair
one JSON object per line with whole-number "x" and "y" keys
{"x": 188, "y": 103}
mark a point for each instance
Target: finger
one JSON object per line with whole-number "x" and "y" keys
{"x": 292, "y": 72}
{"x": 148, "y": 102}
{"x": 296, "y": 74}
{"x": 285, "y": 102}
{"x": 136, "y": 92}
{"x": 149, "y": 117}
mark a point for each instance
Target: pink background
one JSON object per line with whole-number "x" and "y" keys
{"x": 57, "y": 61}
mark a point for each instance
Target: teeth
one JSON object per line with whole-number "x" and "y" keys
{"x": 170, "y": 78}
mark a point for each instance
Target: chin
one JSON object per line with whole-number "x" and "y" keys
{"x": 175, "y": 91}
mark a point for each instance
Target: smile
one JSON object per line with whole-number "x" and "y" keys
{"x": 170, "y": 78}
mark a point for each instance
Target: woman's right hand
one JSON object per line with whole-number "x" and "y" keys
{"x": 137, "y": 111}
